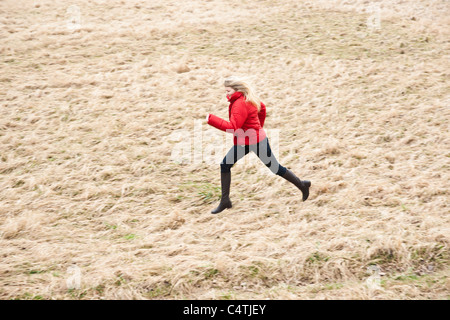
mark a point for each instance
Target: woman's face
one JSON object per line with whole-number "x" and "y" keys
{"x": 229, "y": 91}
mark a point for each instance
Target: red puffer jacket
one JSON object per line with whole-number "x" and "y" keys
{"x": 246, "y": 123}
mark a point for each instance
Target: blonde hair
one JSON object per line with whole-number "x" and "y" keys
{"x": 240, "y": 85}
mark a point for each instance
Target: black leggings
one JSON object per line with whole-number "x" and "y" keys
{"x": 261, "y": 149}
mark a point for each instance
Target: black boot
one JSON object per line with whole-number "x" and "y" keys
{"x": 225, "y": 202}
{"x": 303, "y": 185}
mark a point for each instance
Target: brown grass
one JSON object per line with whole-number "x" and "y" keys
{"x": 87, "y": 180}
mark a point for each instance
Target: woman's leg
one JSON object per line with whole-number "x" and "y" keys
{"x": 266, "y": 155}
{"x": 233, "y": 155}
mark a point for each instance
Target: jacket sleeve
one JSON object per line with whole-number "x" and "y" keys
{"x": 262, "y": 114}
{"x": 237, "y": 118}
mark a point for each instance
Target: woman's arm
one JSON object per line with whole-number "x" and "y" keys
{"x": 238, "y": 116}
{"x": 262, "y": 114}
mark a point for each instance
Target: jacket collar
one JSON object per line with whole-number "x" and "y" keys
{"x": 234, "y": 96}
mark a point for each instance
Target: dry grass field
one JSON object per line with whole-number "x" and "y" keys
{"x": 95, "y": 95}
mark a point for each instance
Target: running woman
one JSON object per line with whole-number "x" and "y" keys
{"x": 247, "y": 114}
